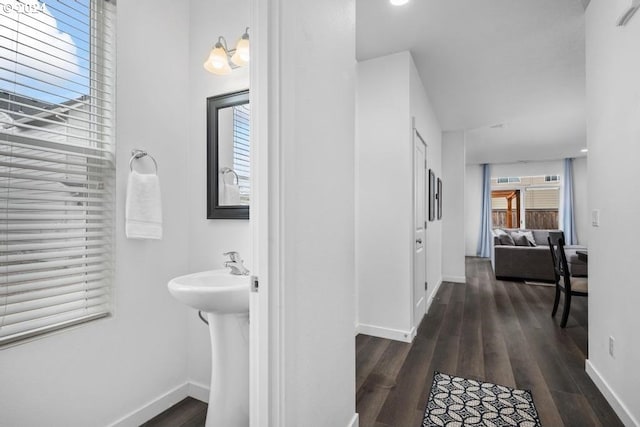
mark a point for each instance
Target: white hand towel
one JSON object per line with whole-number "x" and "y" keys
{"x": 143, "y": 207}
{"x": 231, "y": 195}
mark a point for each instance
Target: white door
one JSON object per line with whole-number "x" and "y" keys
{"x": 420, "y": 224}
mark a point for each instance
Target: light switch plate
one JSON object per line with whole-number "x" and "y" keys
{"x": 595, "y": 217}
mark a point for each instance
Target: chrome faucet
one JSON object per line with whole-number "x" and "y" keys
{"x": 235, "y": 263}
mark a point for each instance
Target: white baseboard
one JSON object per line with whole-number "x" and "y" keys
{"x": 432, "y": 296}
{"x": 153, "y": 408}
{"x": 454, "y": 279}
{"x": 619, "y": 408}
{"x": 198, "y": 391}
{"x": 355, "y": 421}
{"x": 391, "y": 334}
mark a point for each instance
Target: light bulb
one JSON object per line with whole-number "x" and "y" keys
{"x": 242, "y": 55}
{"x": 218, "y": 63}
{"x": 398, "y": 2}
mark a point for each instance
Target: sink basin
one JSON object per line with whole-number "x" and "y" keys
{"x": 214, "y": 291}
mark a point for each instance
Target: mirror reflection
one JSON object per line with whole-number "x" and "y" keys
{"x": 229, "y": 160}
{"x": 233, "y": 154}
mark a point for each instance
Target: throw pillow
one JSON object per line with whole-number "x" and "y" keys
{"x": 530, "y": 238}
{"x": 497, "y": 232}
{"x": 520, "y": 239}
{"x": 519, "y": 235}
{"x": 506, "y": 239}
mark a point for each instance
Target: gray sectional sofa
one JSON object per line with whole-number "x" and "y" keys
{"x": 527, "y": 262}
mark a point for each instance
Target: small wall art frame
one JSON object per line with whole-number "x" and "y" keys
{"x": 439, "y": 197}
{"x": 432, "y": 196}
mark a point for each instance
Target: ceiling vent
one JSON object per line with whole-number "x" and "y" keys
{"x": 626, "y": 17}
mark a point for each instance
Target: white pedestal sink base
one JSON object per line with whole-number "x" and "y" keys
{"x": 229, "y": 389}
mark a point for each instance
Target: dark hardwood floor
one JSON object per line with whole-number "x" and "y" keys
{"x": 497, "y": 331}
{"x": 189, "y": 412}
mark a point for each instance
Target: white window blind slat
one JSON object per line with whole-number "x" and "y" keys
{"x": 63, "y": 112}
{"x": 50, "y": 158}
{"x": 43, "y": 296}
{"x": 47, "y": 264}
{"x": 48, "y": 304}
{"x": 57, "y": 166}
{"x": 63, "y": 216}
{"x": 67, "y": 127}
{"x": 29, "y": 167}
{"x": 26, "y": 287}
{"x": 64, "y": 244}
{"x": 43, "y": 256}
{"x": 15, "y": 237}
{"x": 49, "y": 227}
{"x": 34, "y": 206}
{"x": 46, "y": 275}
{"x": 27, "y": 314}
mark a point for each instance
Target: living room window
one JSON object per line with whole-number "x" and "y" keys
{"x": 541, "y": 208}
{"x": 57, "y": 165}
{"x": 531, "y": 202}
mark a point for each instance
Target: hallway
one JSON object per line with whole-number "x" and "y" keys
{"x": 497, "y": 331}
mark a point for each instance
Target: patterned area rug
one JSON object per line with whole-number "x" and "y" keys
{"x": 456, "y": 401}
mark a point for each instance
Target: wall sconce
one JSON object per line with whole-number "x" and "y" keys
{"x": 628, "y": 14}
{"x": 222, "y": 60}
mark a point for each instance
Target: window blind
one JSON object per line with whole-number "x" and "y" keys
{"x": 56, "y": 164}
{"x": 241, "y": 150}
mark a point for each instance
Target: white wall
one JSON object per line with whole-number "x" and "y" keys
{"x": 552, "y": 167}
{"x": 316, "y": 87}
{"x": 389, "y": 94}
{"x": 453, "y": 212}
{"x": 472, "y": 208}
{"x": 613, "y": 133}
{"x": 209, "y": 239}
{"x": 428, "y": 126}
{"x": 97, "y": 373}
{"x": 384, "y": 193}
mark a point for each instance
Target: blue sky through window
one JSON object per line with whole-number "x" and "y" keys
{"x": 45, "y": 49}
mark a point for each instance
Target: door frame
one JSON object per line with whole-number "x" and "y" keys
{"x": 266, "y": 355}
{"x": 416, "y": 136}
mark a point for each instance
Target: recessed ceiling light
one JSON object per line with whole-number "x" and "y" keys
{"x": 584, "y": 150}
{"x": 398, "y": 2}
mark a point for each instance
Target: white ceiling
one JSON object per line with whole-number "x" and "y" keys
{"x": 520, "y": 63}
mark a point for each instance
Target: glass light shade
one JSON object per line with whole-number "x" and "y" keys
{"x": 398, "y": 2}
{"x": 217, "y": 62}
{"x": 241, "y": 57}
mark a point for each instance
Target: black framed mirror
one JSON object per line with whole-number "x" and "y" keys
{"x": 228, "y": 156}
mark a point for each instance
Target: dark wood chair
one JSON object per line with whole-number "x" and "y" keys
{"x": 570, "y": 286}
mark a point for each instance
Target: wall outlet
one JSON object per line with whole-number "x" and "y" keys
{"x": 595, "y": 217}
{"x": 612, "y": 342}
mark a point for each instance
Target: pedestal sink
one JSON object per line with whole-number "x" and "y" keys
{"x": 225, "y": 300}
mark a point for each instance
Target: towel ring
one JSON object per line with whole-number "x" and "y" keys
{"x": 227, "y": 170}
{"x": 137, "y": 154}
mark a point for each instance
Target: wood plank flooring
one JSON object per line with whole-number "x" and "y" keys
{"x": 189, "y": 412}
{"x": 497, "y": 331}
